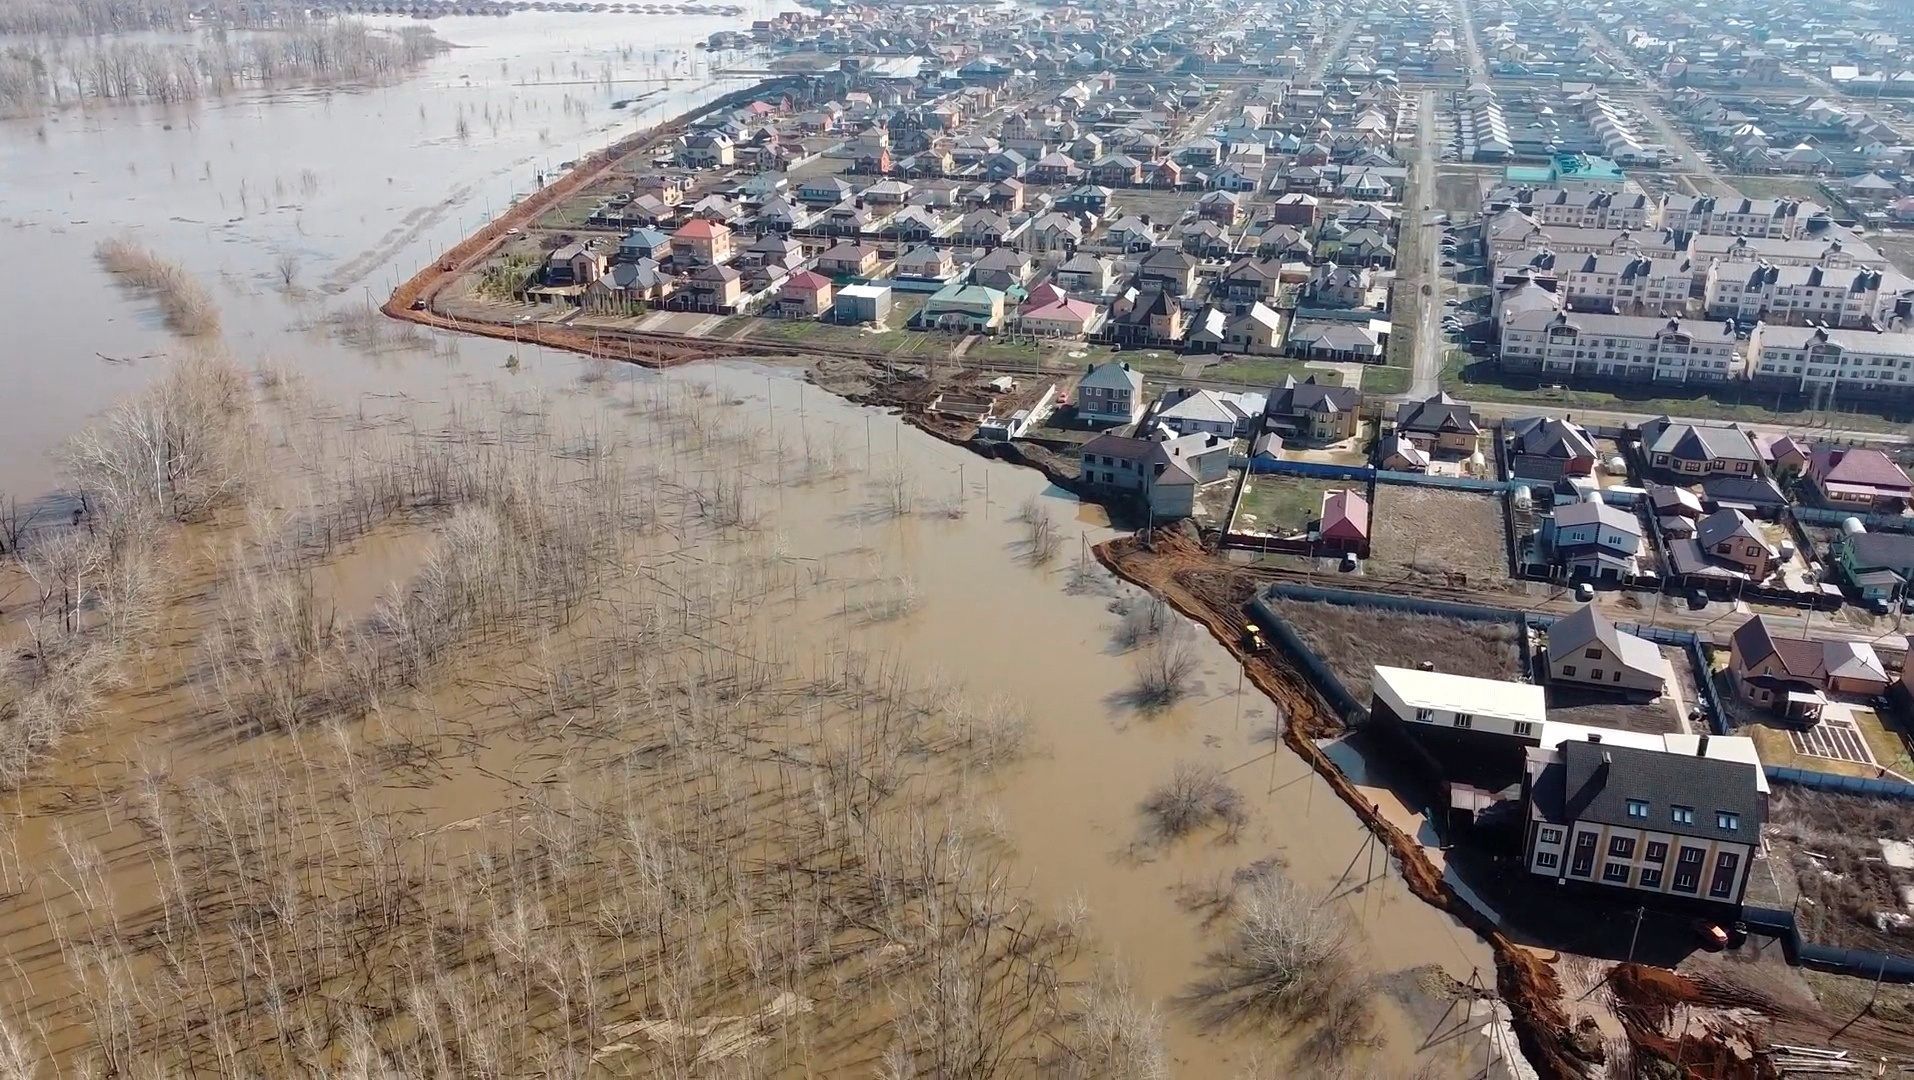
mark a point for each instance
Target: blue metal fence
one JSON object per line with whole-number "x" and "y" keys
{"x": 1885, "y": 787}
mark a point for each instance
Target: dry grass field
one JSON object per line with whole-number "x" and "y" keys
{"x": 1351, "y": 640}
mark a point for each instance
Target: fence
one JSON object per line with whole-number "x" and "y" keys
{"x": 1869, "y": 787}
{"x": 1331, "y": 688}
{"x": 1317, "y": 470}
{"x": 1820, "y": 515}
{"x": 1863, "y": 963}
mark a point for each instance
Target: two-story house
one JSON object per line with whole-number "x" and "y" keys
{"x": 1591, "y": 539}
{"x": 1110, "y": 393}
{"x": 1586, "y": 649}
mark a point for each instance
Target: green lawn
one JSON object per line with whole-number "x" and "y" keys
{"x": 1477, "y": 379}
{"x": 1281, "y": 505}
{"x": 1385, "y": 379}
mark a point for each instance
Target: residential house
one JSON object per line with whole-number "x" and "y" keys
{"x": 850, "y": 259}
{"x": 1002, "y": 268}
{"x": 626, "y": 285}
{"x": 1284, "y": 243}
{"x": 708, "y": 150}
{"x": 1591, "y": 539}
{"x": 1440, "y": 424}
{"x": 1110, "y": 393}
{"x": 1056, "y": 232}
{"x": 1168, "y": 269}
{"x": 865, "y": 303}
{"x": 1793, "y": 675}
{"x": 1398, "y": 454}
{"x": 701, "y": 243}
{"x": 805, "y": 293}
{"x": 1783, "y": 455}
{"x": 824, "y": 191}
{"x": 1130, "y": 234}
{"x": 1864, "y": 480}
{"x": 1296, "y": 209}
{"x": 984, "y": 229}
{"x": 575, "y": 264}
{"x": 646, "y": 243}
{"x": 1340, "y": 340}
{"x": 1343, "y": 521}
{"x": 1223, "y": 207}
{"x": 1691, "y": 450}
{"x": 1115, "y": 170}
{"x": 1162, "y": 473}
{"x": 1878, "y": 566}
{"x": 1648, "y": 824}
{"x": 1332, "y": 286}
{"x": 1588, "y": 650}
{"x": 1207, "y": 240}
{"x": 1257, "y": 331}
{"x": 926, "y": 262}
{"x": 1312, "y": 412}
{"x": 1547, "y": 448}
{"x": 1054, "y": 168}
{"x": 964, "y": 307}
{"x": 1085, "y": 274}
{"x": 1062, "y": 317}
{"x": 772, "y": 249}
{"x": 714, "y": 288}
{"x": 1188, "y": 411}
{"x": 1249, "y": 281}
{"x": 1152, "y": 318}
{"x": 1728, "y": 536}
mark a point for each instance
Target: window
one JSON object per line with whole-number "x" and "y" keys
{"x": 1593, "y": 653}
{"x": 1723, "y": 883}
{"x": 1621, "y": 847}
{"x": 1524, "y": 727}
{"x": 1568, "y": 672}
{"x": 1464, "y": 720}
{"x": 1547, "y": 859}
{"x": 1725, "y": 820}
{"x": 1551, "y": 836}
{"x": 1584, "y": 863}
{"x": 1638, "y": 808}
{"x": 1651, "y": 877}
{"x": 1682, "y": 815}
{"x": 1596, "y": 675}
{"x": 1424, "y": 715}
{"x": 1691, "y": 856}
{"x": 1616, "y": 873}
{"x": 1656, "y": 851}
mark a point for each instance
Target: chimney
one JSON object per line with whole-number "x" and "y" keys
{"x": 1701, "y": 747}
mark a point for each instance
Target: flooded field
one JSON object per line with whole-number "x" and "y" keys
{"x": 548, "y": 716}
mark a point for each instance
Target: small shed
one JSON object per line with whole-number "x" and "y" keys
{"x": 862, "y": 304}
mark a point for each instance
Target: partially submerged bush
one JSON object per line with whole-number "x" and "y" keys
{"x": 1195, "y": 795}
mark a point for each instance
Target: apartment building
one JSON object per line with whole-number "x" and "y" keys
{"x": 1636, "y": 347}
{"x": 1824, "y": 360}
{"x": 1833, "y": 252}
{"x": 1585, "y": 209}
{"x": 1844, "y": 296}
{"x": 1646, "y": 821}
{"x": 1626, "y": 284}
{"x": 1712, "y": 215}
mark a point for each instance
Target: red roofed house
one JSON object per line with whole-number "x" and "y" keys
{"x": 1793, "y": 676}
{"x": 805, "y": 293}
{"x": 1856, "y": 479}
{"x": 702, "y": 243}
{"x": 1783, "y": 454}
{"x": 1345, "y": 521}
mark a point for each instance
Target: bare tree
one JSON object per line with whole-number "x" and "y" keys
{"x": 288, "y": 267}
{"x": 1165, "y": 669}
{"x": 1195, "y": 795}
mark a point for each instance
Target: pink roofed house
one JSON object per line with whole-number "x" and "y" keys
{"x": 1061, "y": 318}
{"x": 1345, "y": 520}
{"x": 1044, "y": 295}
{"x": 1851, "y": 478}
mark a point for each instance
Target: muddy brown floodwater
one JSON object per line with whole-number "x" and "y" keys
{"x": 897, "y": 547}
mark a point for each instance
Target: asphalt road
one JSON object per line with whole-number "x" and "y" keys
{"x": 1426, "y": 363}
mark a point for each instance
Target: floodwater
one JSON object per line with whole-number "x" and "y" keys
{"x": 222, "y": 187}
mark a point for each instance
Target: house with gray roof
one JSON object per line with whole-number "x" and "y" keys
{"x": 1586, "y": 649}
{"x": 1690, "y": 450}
{"x": 1110, "y": 393}
{"x": 1653, "y": 825}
